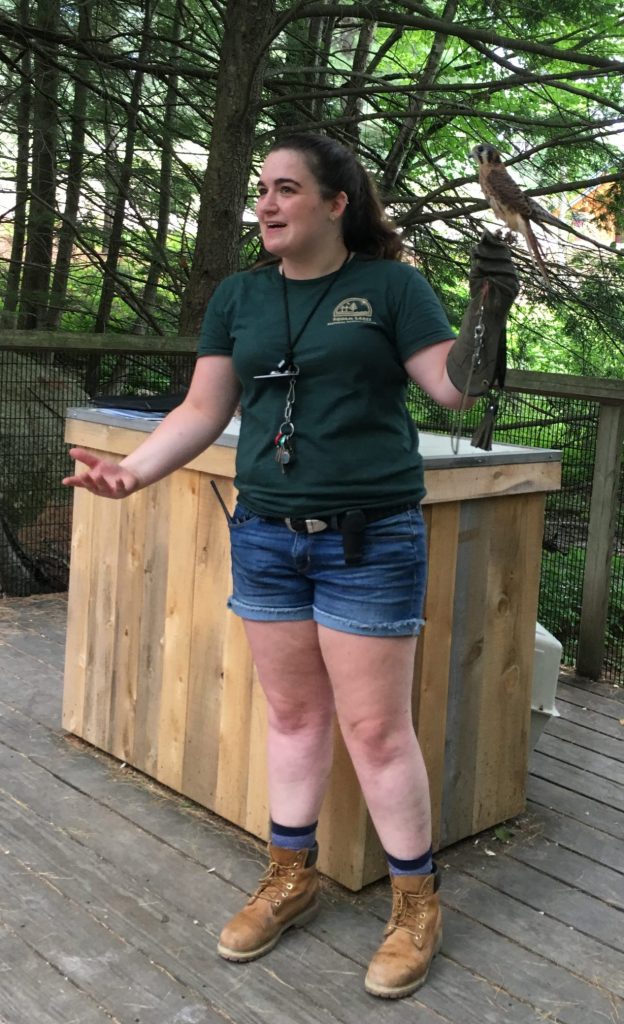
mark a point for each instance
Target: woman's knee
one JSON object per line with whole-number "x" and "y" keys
{"x": 379, "y": 742}
{"x": 292, "y": 718}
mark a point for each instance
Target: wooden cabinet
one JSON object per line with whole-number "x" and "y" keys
{"x": 158, "y": 672}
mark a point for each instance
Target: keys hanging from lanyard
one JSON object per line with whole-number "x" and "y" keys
{"x": 284, "y": 453}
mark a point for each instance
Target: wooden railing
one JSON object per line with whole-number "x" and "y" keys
{"x": 609, "y": 395}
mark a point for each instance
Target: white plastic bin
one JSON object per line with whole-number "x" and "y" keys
{"x": 546, "y": 665}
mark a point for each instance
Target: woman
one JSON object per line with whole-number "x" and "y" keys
{"x": 328, "y": 544}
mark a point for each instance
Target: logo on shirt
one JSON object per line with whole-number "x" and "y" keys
{"x": 352, "y": 311}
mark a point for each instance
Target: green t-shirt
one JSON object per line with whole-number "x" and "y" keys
{"x": 355, "y": 444}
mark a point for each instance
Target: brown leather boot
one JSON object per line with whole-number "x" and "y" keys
{"x": 287, "y": 896}
{"x": 412, "y": 937}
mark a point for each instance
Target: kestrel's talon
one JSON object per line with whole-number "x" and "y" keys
{"x": 509, "y": 238}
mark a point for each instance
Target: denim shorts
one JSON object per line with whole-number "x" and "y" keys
{"x": 281, "y": 576}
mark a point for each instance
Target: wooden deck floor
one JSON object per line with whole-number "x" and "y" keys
{"x": 112, "y": 889}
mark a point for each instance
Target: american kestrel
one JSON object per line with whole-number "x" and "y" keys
{"x": 510, "y": 203}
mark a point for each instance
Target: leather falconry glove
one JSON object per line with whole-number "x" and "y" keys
{"x": 477, "y": 360}
{"x": 494, "y": 285}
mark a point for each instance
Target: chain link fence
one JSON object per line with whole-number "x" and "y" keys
{"x": 36, "y": 387}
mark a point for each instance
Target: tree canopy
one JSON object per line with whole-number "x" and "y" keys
{"x": 132, "y": 134}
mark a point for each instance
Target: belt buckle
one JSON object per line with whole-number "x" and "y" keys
{"x": 311, "y": 525}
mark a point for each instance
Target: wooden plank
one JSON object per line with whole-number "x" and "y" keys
{"x": 205, "y": 681}
{"x": 45, "y": 614}
{"x": 515, "y": 964}
{"x": 32, "y": 990}
{"x": 601, "y": 688}
{"x": 74, "y": 687}
{"x": 22, "y": 687}
{"x": 150, "y": 628}
{"x": 138, "y": 919}
{"x": 217, "y": 460}
{"x": 590, "y": 897}
{"x": 559, "y": 994}
{"x": 601, "y": 790}
{"x": 125, "y": 656}
{"x": 491, "y": 670}
{"x": 563, "y": 729}
{"x": 577, "y": 836}
{"x": 601, "y": 532}
{"x": 102, "y": 626}
{"x": 182, "y": 521}
{"x": 510, "y": 614}
{"x": 466, "y": 484}
{"x": 586, "y": 760}
{"x": 608, "y": 706}
{"x": 443, "y": 485}
{"x": 231, "y": 791}
{"x": 599, "y": 553}
{"x": 25, "y": 341}
{"x": 598, "y": 389}
{"x": 576, "y": 804}
{"x": 466, "y": 675}
{"x": 458, "y": 994}
{"x": 524, "y": 872}
{"x": 433, "y": 653}
{"x": 469, "y": 999}
{"x": 601, "y": 725}
{"x": 93, "y": 958}
{"x": 541, "y": 935}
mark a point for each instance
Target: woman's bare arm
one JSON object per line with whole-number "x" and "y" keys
{"x": 428, "y": 368}
{"x": 188, "y": 430}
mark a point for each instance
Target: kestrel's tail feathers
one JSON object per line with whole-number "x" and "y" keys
{"x": 548, "y": 220}
{"x": 536, "y": 252}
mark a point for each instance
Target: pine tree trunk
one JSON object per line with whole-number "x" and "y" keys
{"x": 123, "y": 184}
{"x": 21, "y": 183}
{"x": 40, "y": 230}
{"x": 355, "y": 103}
{"x": 74, "y": 179}
{"x": 164, "y": 182}
{"x": 245, "y": 40}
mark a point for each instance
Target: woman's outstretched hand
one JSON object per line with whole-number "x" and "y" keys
{"x": 104, "y": 477}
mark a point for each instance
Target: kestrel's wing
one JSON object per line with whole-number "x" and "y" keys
{"x": 506, "y": 197}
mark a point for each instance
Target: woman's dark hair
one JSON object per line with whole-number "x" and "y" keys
{"x": 336, "y": 169}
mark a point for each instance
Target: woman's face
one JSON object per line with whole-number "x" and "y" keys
{"x": 295, "y": 220}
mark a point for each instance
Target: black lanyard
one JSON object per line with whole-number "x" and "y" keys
{"x": 283, "y": 443}
{"x": 290, "y": 352}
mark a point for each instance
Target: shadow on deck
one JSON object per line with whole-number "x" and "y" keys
{"x": 114, "y": 889}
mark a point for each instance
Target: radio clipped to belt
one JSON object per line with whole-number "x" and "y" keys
{"x": 352, "y": 528}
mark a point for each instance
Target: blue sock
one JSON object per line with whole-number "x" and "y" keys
{"x": 301, "y": 837}
{"x": 422, "y": 865}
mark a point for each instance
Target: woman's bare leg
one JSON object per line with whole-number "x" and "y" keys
{"x": 372, "y": 683}
{"x": 300, "y": 714}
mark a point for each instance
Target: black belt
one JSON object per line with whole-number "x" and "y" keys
{"x": 355, "y": 518}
